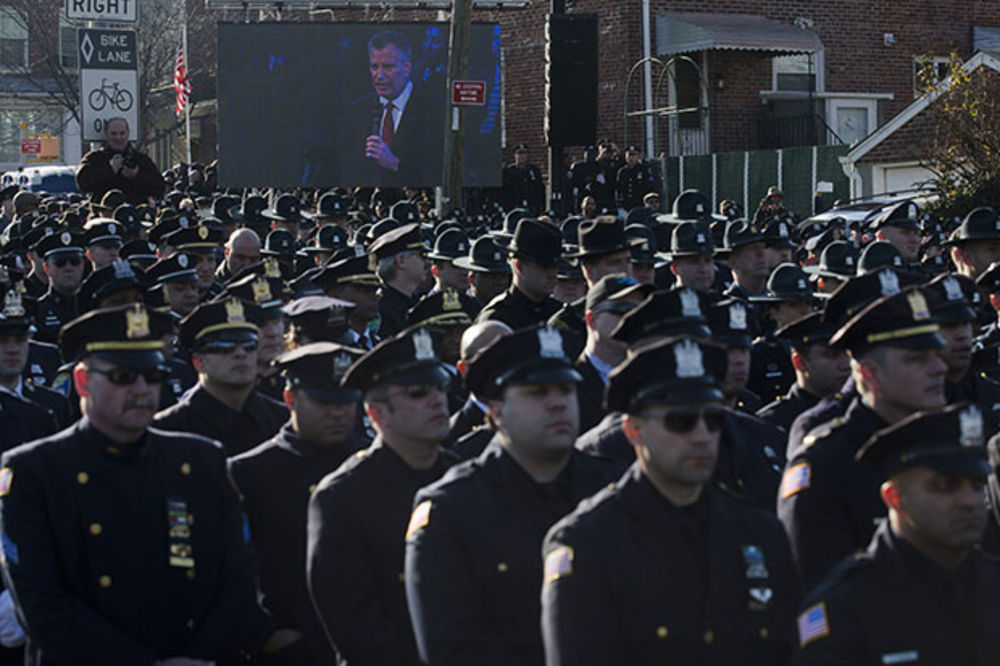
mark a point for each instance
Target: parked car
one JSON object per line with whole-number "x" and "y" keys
{"x": 49, "y": 178}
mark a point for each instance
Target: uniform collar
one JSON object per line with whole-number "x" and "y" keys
{"x": 100, "y": 443}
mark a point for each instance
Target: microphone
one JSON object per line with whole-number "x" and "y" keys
{"x": 377, "y": 113}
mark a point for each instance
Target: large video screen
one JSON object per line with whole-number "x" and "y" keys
{"x": 325, "y": 104}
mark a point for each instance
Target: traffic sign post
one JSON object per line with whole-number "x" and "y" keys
{"x": 468, "y": 93}
{"x": 109, "y": 81}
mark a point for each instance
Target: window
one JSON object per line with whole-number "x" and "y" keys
{"x": 13, "y": 39}
{"x": 67, "y": 45}
{"x": 802, "y": 72}
{"x": 688, "y": 84}
{"x": 938, "y": 69}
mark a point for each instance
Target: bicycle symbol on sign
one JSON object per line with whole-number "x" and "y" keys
{"x": 119, "y": 97}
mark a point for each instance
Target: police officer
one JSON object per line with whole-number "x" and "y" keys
{"x": 691, "y": 251}
{"x": 819, "y": 370}
{"x": 222, "y": 337}
{"x": 661, "y": 566}
{"x": 358, "y": 514}
{"x": 124, "y": 544}
{"x": 472, "y": 415}
{"x": 472, "y": 566}
{"x": 104, "y": 240}
{"x": 277, "y": 477}
{"x": 921, "y": 592}
{"x": 350, "y": 278}
{"x": 532, "y": 255}
{"x": 829, "y": 502}
{"x": 899, "y": 226}
{"x": 401, "y": 265}
{"x": 522, "y": 183}
{"x": 488, "y": 272}
{"x": 633, "y": 181}
{"x": 975, "y": 244}
{"x": 62, "y": 254}
{"x": 175, "y": 275}
{"x": 203, "y": 243}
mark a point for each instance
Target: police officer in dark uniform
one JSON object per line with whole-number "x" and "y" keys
{"x": 633, "y": 181}
{"x": 277, "y": 478}
{"x": 532, "y": 253}
{"x": 788, "y": 297}
{"x": 124, "y": 544}
{"x": 922, "y": 592}
{"x": 401, "y": 265}
{"x": 829, "y": 502}
{"x": 819, "y": 370}
{"x": 662, "y": 567}
{"x": 352, "y": 279}
{"x": 203, "y": 243}
{"x": 222, "y": 338}
{"x": 358, "y": 514}
{"x": 472, "y": 566}
{"x": 63, "y": 256}
{"x": 175, "y": 278}
{"x": 522, "y": 183}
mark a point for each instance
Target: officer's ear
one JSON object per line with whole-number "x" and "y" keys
{"x": 798, "y": 361}
{"x": 890, "y": 495}
{"x": 197, "y": 363}
{"x": 462, "y": 367}
{"x": 995, "y": 301}
{"x": 289, "y": 397}
{"x": 630, "y": 426}
{"x": 80, "y": 380}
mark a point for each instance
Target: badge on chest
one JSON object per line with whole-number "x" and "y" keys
{"x": 757, "y": 575}
{"x": 179, "y": 534}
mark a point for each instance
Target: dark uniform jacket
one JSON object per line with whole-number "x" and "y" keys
{"x": 52, "y": 401}
{"x": 202, "y": 413}
{"x": 473, "y": 570}
{"x": 392, "y": 308}
{"x": 771, "y": 370}
{"x": 632, "y": 184}
{"x": 276, "y": 480}
{"x": 518, "y": 311}
{"x": 975, "y": 387}
{"x": 829, "y": 502}
{"x": 464, "y": 420}
{"x": 95, "y": 176}
{"x": 749, "y": 463}
{"x": 54, "y": 310}
{"x": 825, "y": 410}
{"x": 180, "y": 380}
{"x": 631, "y": 579}
{"x": 783, "y": 411}
{"x": 44, "y": 360}
{"x": 589, "y": 394}
{"x": 357, "y": 525}
{"x": 89, "y": 533}
{"x": 523, "y": 187}
{"x": 893, "y": 605}
{"x": 473, "y": 443}
{"x": 23, "y": 420}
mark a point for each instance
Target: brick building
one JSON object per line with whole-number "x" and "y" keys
{"x": 769, "y": 74}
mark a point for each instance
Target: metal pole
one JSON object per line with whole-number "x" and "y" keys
{"x": 450, "y": 192}
{"x": 187, "y": 102}
{"x": 557, "y": 167}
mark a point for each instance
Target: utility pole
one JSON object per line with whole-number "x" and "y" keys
{"x": 449, "y": 195}
{"x": 557, "y": 168}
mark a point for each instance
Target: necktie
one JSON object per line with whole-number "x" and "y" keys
{"x": 388, "y": 128}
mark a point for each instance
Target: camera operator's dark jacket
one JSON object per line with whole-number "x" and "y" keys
{"x": 95, "y": 176}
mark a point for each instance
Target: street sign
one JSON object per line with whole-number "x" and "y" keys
{"x": 468, "y": 93}
{"x": 31, "y": 146}
{"x": 109, "y": 82}
{"x": 101, "y": 10}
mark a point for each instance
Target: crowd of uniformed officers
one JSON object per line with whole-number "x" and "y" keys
{"x": 307, "y": 428}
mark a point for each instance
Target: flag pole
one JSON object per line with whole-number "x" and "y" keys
{"x": 187, "y": 100}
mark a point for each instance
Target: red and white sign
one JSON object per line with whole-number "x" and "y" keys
{"x": 31, "y": 146}
{"x": 468, "y": 93}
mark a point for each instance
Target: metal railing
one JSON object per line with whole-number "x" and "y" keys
{"x": 793, "y": 131}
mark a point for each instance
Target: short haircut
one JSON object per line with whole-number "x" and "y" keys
{"x": 111, "y": 120}
{"x": 386, "y": 269}
{"x": 384, "y": 38}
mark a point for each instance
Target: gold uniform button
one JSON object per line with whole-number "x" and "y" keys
{"x": 661, "y": 632}
{"x": 709, "y": 637}
{"x": 82, "y": 478}
{"x": 190, "y": 625}
{"x": 312, "y": 489}
{"x": 502, "y": 567}
{"x": 95, "y": 528}
{"x": 190, "y": 574}
{"x": 763, "y": 632}
{"x": 104, "y": 581}
{"x": 402, "y": 577}
{"x": 185, "y": 468}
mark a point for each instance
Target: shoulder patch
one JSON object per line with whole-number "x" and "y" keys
{"x": 795, "y": 479}
{"x": 419, "y": 518}
{"x": 6, "y": 478}
{"x": 813, "y": 625}
{"x": 558, "y": 563}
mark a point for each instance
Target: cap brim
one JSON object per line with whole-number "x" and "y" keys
{"x": 555, "y": 375}
{"x": 137, "y": 359}
{"x": 423, "y": 373}
{"x": 332, "y": 396}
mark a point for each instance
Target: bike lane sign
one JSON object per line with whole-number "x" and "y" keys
{"x": 109, "y": 81}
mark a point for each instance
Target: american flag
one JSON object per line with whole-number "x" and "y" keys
{"x": 812, "y": 624}
{"x": 182, "y": 85}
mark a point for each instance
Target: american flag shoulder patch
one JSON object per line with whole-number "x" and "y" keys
{"x": 813, "y": 624}
{"x": 795, "y": 479}
{"x": 558, "y": 563}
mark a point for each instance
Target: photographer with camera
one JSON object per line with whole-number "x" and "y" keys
{"x": 118, "y": 165}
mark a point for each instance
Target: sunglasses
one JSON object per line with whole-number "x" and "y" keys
{"x": 227, "y": 346}
{"x": 421, "y": 391}
{"x": 128, "y": 376}
{"x": 681, "y": 421}
{"x": 61, "y": 262}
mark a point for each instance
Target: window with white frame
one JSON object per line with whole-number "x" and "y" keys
{"x": 13, "y": 39}
{"x": 938, "y": 69}
{"x": 67, "y": 45}
{"x": 798, "y": 72}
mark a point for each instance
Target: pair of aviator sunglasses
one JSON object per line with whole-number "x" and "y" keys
{"x": 61, "y": 262}
{"x": 682, "y": 420}
{"x": 129, "y": 376}
{"x": 227, "y": 346}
